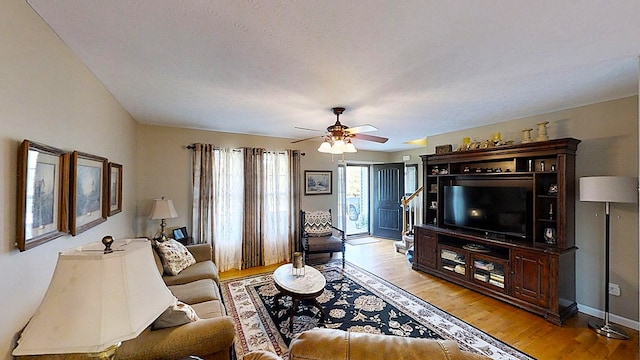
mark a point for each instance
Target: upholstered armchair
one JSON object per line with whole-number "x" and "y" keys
{"x": 318, "y": 235}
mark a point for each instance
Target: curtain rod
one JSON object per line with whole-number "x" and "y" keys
{"x": 193, "y": 147}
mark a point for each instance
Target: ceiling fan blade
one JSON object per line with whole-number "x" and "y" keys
{"x": 377, "y": 139}
{"x": 305, "y": 139}
{"x": 304, "y": 128}
{"x": 361, "y": 129}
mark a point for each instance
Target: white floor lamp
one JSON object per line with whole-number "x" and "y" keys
{"x": 608, "y": 189}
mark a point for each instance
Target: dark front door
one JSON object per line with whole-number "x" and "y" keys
{"x": 388, "y": 188}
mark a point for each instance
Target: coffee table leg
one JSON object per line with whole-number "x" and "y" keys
{"x": 293, "y": 311}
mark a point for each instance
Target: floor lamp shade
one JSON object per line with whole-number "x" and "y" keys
{"x": 97, "y": 300}
{"x": 608, "y": 189}
{"x": 615, "y": 189}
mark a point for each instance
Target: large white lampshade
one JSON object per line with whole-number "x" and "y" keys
{"x": 97, "y": 300}
{"x": 616, "y": 189}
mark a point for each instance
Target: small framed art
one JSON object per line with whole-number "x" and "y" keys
{"x": 180, "y": 234}
{"x": 115, "y": 188}
{"x": 43, "y": 185}
{"x": 88, "y": 192}
{"x": 317, "y": 182}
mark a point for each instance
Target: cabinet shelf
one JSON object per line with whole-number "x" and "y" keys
{"x": 546, "y": 196}
{"x": 547, "y": 220}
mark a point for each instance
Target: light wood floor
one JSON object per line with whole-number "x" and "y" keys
{"x": 525, "y": 331}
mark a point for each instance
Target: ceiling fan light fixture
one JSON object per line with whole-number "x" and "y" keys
{"x": 349, "y": 147}
{"x": 325, "y": 147}
{"x": 338, "y": 147}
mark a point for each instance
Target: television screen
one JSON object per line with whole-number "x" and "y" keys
{"x": 500, "y": 210}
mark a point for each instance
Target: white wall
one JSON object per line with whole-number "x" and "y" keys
{"x": 164, "y": 165}
{"x": 609, "y": 134}
{"x": 48, "y": 96}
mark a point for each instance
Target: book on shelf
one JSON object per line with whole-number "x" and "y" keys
{"x": 448, "y": 254}
{"x": 483, "y": 265}
{"x": 496, "y": 283}
{"x": 481, "y": 277}
{"x": 460, "y": 269}
{"x": 448, "y": 267}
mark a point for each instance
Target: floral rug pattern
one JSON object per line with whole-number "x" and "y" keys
{"x": 354, "y": 300}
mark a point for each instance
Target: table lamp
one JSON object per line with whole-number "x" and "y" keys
{"x": 96, "y": 300}
{"x": 608, "y": 189}
{"x": 163, "y": 209}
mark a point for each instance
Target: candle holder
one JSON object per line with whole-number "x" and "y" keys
{"x": 297, "y": 268}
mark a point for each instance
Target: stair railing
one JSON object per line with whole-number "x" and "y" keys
{"x": 407, "y": 203}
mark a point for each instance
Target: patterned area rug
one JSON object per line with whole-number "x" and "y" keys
{"x": 354, "y": 300}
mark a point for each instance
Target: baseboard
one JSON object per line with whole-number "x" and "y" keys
{"x": 632, "y": 324}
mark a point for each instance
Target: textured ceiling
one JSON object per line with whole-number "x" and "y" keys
{"x": 411, "y": 68}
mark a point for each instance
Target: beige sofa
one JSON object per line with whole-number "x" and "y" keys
{"x": 330, "y": 344}
{"x": 211, "y": 337}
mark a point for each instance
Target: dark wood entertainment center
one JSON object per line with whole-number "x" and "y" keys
{"x": 534, "y": 272}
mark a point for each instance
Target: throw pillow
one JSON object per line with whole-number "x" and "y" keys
{"x": 175, "y": 256}
{"x": 177, "y": 314}
{"x": 318, "y": 223}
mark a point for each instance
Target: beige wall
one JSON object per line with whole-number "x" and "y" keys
{"x": 48, "y": 96}
{"x": 609, "y": 134}
{"x": 164, "y": 165}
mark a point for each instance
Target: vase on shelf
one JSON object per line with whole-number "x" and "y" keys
{"x": 526, "y": 136}
{"x": 542, "y": 131}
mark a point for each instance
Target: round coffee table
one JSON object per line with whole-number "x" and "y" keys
{"x": 307, "y": 287}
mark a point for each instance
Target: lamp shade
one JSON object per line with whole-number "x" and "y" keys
{"x": 615, "y": 189}
{"x": 96, "y": 300}
{"x": 325, "y": 147}
{"x": 349, "y": 147}
{"x": 163, "y": 209}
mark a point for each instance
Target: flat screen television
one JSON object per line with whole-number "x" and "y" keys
{"x": 494, "y": 210}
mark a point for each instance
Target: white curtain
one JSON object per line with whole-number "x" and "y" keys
{"x": 277, "y": 207}
{"x": 219, "y": 209}
{"x": 228, "y": 208}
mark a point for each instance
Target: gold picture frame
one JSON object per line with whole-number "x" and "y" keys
{"x": 88, "y": 192}
{"x": 43, "y": 189}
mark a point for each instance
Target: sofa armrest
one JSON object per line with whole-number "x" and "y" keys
{"x": 200, "y": 338}
{"x": 201, "y": 252}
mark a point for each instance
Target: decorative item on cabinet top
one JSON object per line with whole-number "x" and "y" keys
{"x": 443, "y": 149}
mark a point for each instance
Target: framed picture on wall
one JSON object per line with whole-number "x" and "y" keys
{"x": 88, "y": 205}
{"x": 115, "y": 188}
{"x": 43, "y": 189}
{"x": 317, "y": 182}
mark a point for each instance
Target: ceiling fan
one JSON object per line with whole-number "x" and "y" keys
{"x": 338, "y": 137}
